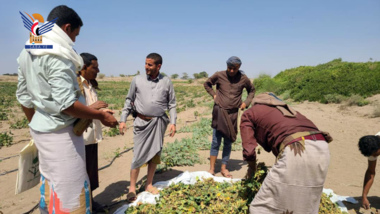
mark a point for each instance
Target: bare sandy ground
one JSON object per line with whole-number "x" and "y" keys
{"x": 345, "y": 176}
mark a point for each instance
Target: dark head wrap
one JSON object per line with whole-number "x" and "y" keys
{"x": 233, "y": 60}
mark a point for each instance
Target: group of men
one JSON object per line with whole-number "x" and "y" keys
{"x": 58, "y": 86}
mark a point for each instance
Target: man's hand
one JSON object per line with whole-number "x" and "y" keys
{"x": 108, "y": 111}
{"x": 243, "y": 105}
{"x": 172, "y": 130}
{"x": 108, "y": 120}
{"x": 122, "y": 128}
{"x": 98, "y": 105}
{"x": 214, "y": 97}
{"x": 365, "y": 203}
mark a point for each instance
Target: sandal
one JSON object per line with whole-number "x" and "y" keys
{"x": 131, "y": 197}
{"x": 226, "y": 174}
{"x": 153, "y": 190}
{"x": 213, "y": 173}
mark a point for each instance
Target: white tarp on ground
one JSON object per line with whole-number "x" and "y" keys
{"x": 339, "y": 199}
{"x": 191, "y": 178}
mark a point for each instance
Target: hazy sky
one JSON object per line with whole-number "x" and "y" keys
{"x": 200, "y": 35}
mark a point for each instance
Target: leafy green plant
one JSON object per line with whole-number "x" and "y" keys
{"x": 6, "y": 139}
{"x": 327, "y": 206}
{"x": 3, "y": 116}
{"x": 180, "y": 153}
{"x": 117, "y": 152}
{"x": 190, "y": 104}
{"x": 20, "y": 124}
{"x": 112, "y": 132}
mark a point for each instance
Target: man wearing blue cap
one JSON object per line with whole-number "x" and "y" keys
{"x": 230, "y": 84}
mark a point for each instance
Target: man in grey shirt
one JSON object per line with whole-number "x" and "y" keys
{"x": 149, "y": 96}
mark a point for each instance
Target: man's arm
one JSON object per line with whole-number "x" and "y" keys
{"x": 368, "y": 181}
{"x": 249, "y": 142}
{"x": 29, "y": 112}
{"x": 251, "y": 92}
{"x": 172, "y": 109}
{"x": 209, "y": 83}
{"x": 23, "y": 96}
{"x": 248, "y": 136}
{"x": 79, "y": 110}
{"x": 61, "y": 78}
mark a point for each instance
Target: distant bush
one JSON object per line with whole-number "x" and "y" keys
{"x": 356, "y": 100}
{"x": 334, "y": 98}
{"x": 264, "y": 83}
{"x": 333, "y": 78}
{"x": 190, "y": 81}
{"x": 121, "y": 75}
{"x": 202, "y": 74}
{"x": 185, "y": 76}
{"x": 285, "y": 95}
{"x": 376, "y": 111}
{"x": 101, "y": 76}
{"x": 174, "y": 76}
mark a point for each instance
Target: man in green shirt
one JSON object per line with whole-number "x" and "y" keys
{"x": 50, "y": 98}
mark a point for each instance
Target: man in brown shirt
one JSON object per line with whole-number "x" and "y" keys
{"x": 230, "y": 84}
{"x": 295, "y": 182}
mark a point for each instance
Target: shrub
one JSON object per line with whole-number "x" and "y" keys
{"x": 336, "y": 77}
{"x": 376, "y": 111}
{"x": 3, "y": 116}
{"x": 101, "y": 76}
{"x": 190, "y": 103}
{"x": 334, "y": 98}
{"x": 174, "y": 76}
{"x": 264, "y": 83}
{"x": 180, "y": 153}
{"x": 356, "y": 99}
{"x": 285, "y": 95}
{"x": 6, "y": 139}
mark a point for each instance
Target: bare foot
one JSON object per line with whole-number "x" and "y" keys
{"x": 152, "y": 189}
{"x": 211, "y": 172}
{"x": 226, "y": 173}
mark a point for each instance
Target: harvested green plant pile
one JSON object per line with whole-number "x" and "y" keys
{"x": 209, "y": 196}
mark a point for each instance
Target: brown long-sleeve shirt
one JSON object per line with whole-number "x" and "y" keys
{"x": 266, "y": 125}
{"x": 228, "y": 96}
{"x": 229, "y": 89}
